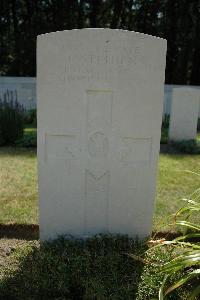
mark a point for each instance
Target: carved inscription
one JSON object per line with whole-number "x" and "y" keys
{"x": 100, "y": 63}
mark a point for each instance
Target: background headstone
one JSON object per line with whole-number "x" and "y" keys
{"x": 184, "y": 114}
{"x": 100, "y": 101}
{"x": 168, "y": 92}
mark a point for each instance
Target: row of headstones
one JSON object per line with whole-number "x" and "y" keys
{"x": 184, "y": 114}
{"x": 184, "y": 110}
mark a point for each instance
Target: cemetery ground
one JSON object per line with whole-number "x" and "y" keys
{"x": 19, "y": 195}
{"x": 104, "y": 267}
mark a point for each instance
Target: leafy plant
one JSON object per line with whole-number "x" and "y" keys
{"x": 11, "y": 121}
{"x": 164, "y": 136}
{"x": 165, "y": 121}
{"x": 198, "y": 125}
{"x": 29, "y": 140}
{"x": 31, "y": 117}
{"x": 187, "y": 248}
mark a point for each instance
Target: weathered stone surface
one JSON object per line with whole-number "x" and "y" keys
{"x": 100, "y": 101}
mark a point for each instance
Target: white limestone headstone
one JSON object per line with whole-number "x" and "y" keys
{"x": 100, "y": 101}
{"x": 184, "y": 114}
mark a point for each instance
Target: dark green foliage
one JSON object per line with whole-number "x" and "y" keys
{"x": 11, "y": 122}
{"x": 97, "y": 268}
{"x": 29, "y": 140}
{"x": 176, "y": 20}
{"x": 164, "y": 136}
{"x": 31, "y": 117}
{"x": 164, "y": 129}
{"x": 186, "y": 146}
{"x": 198, "y": 125}
{"x": 165, "y": 121}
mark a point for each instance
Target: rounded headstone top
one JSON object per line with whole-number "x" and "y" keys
{"x": 101, "y": 52}
{"x": 103, "y": 30}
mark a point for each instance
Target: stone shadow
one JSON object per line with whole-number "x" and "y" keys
{"x": 96, "y": 268}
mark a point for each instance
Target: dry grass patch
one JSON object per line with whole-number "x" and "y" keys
{"x": 18, "y": 188}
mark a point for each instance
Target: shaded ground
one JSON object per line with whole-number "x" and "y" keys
{"x": 31, "y": 232}
{"x": 102, "y": 267}
{"x": 19, "y": 231}
{"x": 98, "y": 268}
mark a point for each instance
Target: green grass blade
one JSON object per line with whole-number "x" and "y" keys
{"x": 182, "y": 261}
{"x": 183, "y": 281}
{"x": 190, "y": 245}
{"x": 187, "y": 236}
{"x": 188, "y": 224}
{"x": 178, "y": 243}
{"x": 191, "y": 172}
{"x": 161, "y": 290}
{"x": 185, "y": 244}
{"x": 196, "y": 191}
{"x": 194, "y": 293}
{"x": 190, "y": 208}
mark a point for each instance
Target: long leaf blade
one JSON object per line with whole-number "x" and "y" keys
{"x": 194, "y": 293}
{"x": 188, "y": 224}
{"x": 161, "y": 290}
{"x": 183, "y": 281}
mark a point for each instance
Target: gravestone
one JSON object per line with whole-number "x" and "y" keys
{"x": 184, "y": 114}
{"x": 100, "y": 101}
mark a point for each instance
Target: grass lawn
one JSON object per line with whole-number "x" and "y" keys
{"x": 174, "y": 183}
{"x": 99, "y": 268}
{"x": 18, "y": 188}
{"x": 19, "y": 196}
